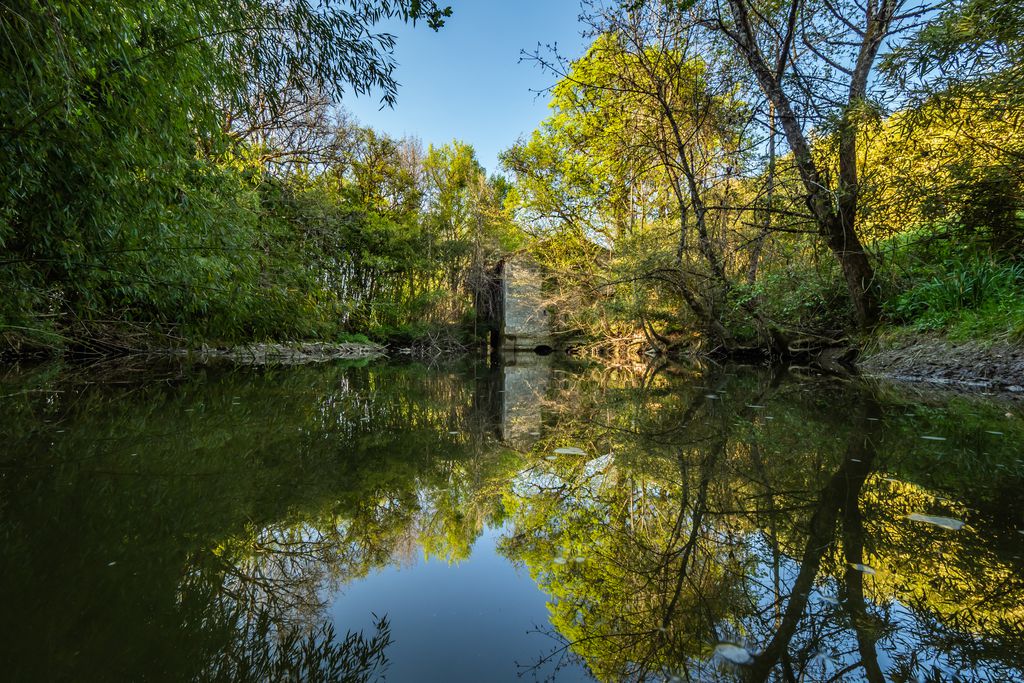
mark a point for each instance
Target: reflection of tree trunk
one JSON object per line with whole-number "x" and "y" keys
{"x": 699, "y": 509}
{"x": 822, "y": 533}
{"x": 853, "y": 547}
{"x": 840, "y": 494}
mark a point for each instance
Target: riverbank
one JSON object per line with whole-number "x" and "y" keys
{"x": 286, "y": 354}
{"x": 932, "y": 359}
{"x": 109, "y": 342}
{"x": 899, "y": 355}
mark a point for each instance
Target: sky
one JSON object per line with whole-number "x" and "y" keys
{"x": 464, "y": 82}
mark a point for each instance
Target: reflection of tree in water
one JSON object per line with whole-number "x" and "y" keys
{"x": 201, "y": 525}
{"x": 259, "y": 651}
{"x": 710, "y": 509}
{"x": 413, "y": 483}
{"x": 265, "y": 596}
{"x": 714, "y": 519}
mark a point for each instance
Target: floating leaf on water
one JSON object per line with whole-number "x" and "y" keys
{"x": 733, "y": 653}
{"x": 926, "y": 437}
{"x": 570, "y": 450}
{"x": 863, "y": 568}
{"x": 559, "y": 560}
{"x": 944, "y": 522}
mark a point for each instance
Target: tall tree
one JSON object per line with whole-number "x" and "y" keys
{"x": 656, "y": 122}
{"x": 124, "y": 124}
{"x": 814, "y": 63}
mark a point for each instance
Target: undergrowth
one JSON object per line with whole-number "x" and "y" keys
{"x": 950, "y": 288}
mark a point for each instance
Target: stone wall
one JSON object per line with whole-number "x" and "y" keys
{"x": 525, "y": 323}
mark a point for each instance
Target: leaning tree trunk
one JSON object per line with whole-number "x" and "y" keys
{"x": 857, "y": 270}
{"x": 835, "y": 220}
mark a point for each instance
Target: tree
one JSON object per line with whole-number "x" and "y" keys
{"x": 133, "y": 131}
{"x": 973, "y": 48}
{"x": 964, "y": 71}
{"x": 463, "y": 218}
{"x": 800, "y": 54}
{"x": 654, "y": 124}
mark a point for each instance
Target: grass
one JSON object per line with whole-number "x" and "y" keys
{"x": 938, "y": 280}
{"x": 346, "y": 338}
{"x": 964, "y": 297}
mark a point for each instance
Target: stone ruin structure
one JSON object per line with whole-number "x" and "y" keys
{"x": 511, "y": 305}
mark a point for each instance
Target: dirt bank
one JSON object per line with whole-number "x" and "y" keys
{"x": 997, "y": 366}
{"x": 286, "y": 354}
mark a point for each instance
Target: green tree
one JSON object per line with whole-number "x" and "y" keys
{"x": 128, "y": 195}
{"x": 640, "y": 156}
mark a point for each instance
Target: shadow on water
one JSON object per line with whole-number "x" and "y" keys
{"x": 678, "y": 523}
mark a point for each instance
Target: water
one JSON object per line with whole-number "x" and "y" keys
{"x": 536, "y": 521}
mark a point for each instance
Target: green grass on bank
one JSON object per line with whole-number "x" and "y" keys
{"x": 954, "y": 287}
{"x": 938, "y": 280}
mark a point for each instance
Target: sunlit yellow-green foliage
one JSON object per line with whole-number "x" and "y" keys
{"x": 951, "y": 166}
{"x": 599, "y": 185}
{"x": 937, "y": 179}
{"x": 660, "y": 541}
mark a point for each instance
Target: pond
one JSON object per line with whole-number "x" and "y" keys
{"x": 538, "y": 520}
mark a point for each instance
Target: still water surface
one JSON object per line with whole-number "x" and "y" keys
{"x": 534, "y": 521}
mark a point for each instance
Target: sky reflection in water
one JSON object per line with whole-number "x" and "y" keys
{"x": 531, "y": 521}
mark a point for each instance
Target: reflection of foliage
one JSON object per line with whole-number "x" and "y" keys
{"x": 262, "y": 653}
{"x": 203, "y": 524}
{"x": 732, "y": 510}
{"x": 143, "y": 504}
{"x": 284, "y": 571}
{"x": 957, "y": 581}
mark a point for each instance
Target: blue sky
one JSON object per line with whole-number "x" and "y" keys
{"x": 464, "y": 81}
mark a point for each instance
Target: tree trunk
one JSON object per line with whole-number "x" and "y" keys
{"x": 835, "y": 220}
{"x": 857, "y": 270}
